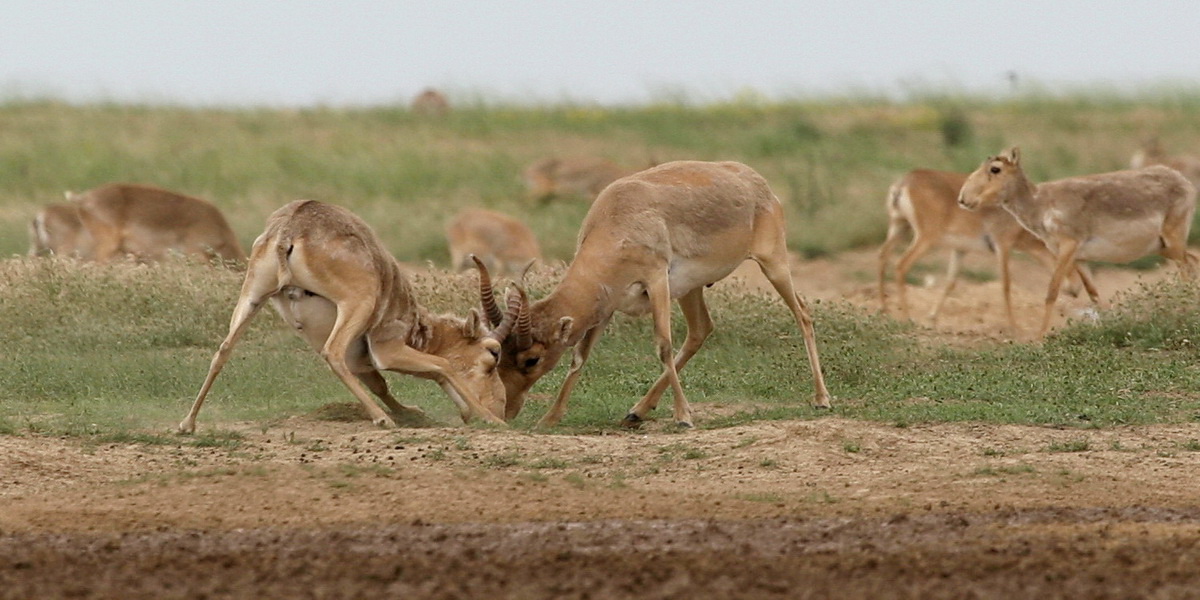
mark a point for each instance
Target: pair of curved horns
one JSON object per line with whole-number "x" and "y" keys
{"x": 517, "y": 313}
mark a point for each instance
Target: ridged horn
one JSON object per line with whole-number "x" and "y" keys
{"x": 524, "y": 329}
{"x": 502, "y": 331}
{"x": 487, "y": 295}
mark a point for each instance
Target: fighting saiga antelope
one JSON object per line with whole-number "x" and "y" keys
{"x": 1113, "y": 217}
{"x": 142, "y": 221}
{"x": 328, "y": 275}
{"x": 504, "y": 244}
{"x": 57, "y": 230}
{"x": 661, "y": 234}
{"x": 926, "y": 202}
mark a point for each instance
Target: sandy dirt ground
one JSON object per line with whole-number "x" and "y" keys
{"x": 829, "y": 508}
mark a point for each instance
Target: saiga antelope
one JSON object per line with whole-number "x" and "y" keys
{"x": 661, "y": 234}
{"x": 430, "y": 102}
{"x": 503, "y": 243}
{"x": 1152, "y": 153}
{"x": 328, "y": 275}
{"x": 57, "y": 230}
{"x": 575, "y": 176}
{"x": 148, "y": 223}
{"x": 926, "y": 202}
{"x": 1113, "y": 217}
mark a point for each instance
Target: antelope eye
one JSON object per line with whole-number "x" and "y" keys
{"x": 995, "y": 170}
{"x": 530, "y": 363}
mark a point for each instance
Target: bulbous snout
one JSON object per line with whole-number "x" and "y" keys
{"x": 963, "y": 202}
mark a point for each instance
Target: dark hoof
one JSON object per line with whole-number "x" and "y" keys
{"x": 683, "y": 425}
{"x": 631, "y": 421}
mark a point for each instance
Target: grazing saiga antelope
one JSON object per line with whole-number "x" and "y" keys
{"x": 1113, "y": 217}
{"x": 57, "y": 230}
{"x": 926, "y": 202}
{"x": 430, "y": 102}
{"x": 503, "y": 243}
{"x": 149, "y": 223}
{"x": 328, "y": 275}
{"x": 1152, "y": 153}
{"x": 664, "y": 233}
{"x": 576, "y": 176}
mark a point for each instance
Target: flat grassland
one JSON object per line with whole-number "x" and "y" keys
{"x": 956, "y": 462}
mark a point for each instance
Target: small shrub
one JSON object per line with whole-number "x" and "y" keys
{"x": 1159, "y": 316}
{"x": 500, "y": 461}
{"x": 954, "y": 127}
{"x": 1075, "y": 445}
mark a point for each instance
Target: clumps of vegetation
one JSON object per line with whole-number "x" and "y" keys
{"x": 342, "y": 412}
{"x": 954, "y": 127}
{"x": 218, "y": 439}
{"x": 1153, "y": 317}
{"x": 1081, "y": 444}
{"x": 64, "y": 303}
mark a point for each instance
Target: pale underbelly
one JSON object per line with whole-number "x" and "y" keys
{"x": 682, "y": 277}
{"x": 965, "y": 243}
{"x": 685, "y": 276}
{"x": 1119, "y": 250}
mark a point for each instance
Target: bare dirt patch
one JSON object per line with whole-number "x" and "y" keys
{"x": 823, "y": 508}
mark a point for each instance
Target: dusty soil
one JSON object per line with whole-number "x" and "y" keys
{"x": 828, "y": 508}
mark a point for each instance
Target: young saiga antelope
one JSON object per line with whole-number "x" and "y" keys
{"x": 1113, "y": 217}
{"x": 654, "y": 236}
{"x": 581, "y": 176}
{"x": 328, "y": 275}
{"x": 926, "y": 202}
{"x": 501, "y": 241}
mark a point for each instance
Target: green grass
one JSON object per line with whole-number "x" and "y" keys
{"x": 104, "y": 351}
{"x": 121, "y": 350}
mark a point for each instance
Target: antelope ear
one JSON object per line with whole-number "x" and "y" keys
{"x": 472, "y": 327}
{"x": 1012, "y": 155}
{"x": 564, "y": 329}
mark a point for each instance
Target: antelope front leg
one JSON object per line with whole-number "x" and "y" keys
{"x": 951, "y": 280}
{"x": 1066, "y": 262}
{"x": 582, "y": 350}
{"x": 918, "y": 248}
{"x": 1085, "y": 277}
{"x": 700, "y": 325}
{"x": 351, "y": 321}
{"x": 1003, "y": 254}
{"x": 378, "y": 385}
{"x": 395, "y": 355}
{"x": 660, "y": 309}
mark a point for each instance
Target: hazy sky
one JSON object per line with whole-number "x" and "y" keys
{"x": 301, "y": 52}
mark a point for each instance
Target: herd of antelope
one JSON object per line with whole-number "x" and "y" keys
{"x": 652, "y": 236}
